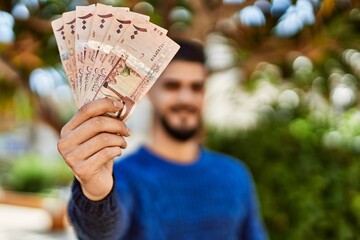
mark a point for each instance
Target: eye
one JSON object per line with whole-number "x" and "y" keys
{"x": 197, "y": 87}
{"x": 171, "y": 86}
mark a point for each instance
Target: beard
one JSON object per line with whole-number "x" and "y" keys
{"x": 181, "y": 134}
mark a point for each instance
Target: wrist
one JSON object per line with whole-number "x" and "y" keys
{"x": 97, "y": 195}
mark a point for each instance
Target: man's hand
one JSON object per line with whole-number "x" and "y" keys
{"x": 89, "y": 142}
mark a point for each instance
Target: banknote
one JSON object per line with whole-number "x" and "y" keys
{"x": 59, "y": 33}
{"x": 83, "y": 23}
{"x": 111, "y": 52}
{"x": 144, "y": 53}
{"x": 101, "y": 23}
{"x": 118, "y": 27}
{"x": 69, "y": 29}
{"x": 115, "y": 54}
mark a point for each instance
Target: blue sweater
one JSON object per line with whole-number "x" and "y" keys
{"x": 154, "y": 199}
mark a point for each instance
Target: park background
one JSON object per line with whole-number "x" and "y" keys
{"x": 283, "y": 96}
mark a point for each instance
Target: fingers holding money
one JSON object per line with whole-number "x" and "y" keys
{"x": 92, "y": 109}
{"x": 89, "y": 143}
{"x": 93, "y": 146}
{"x": 86, "y": 169}
{"x": 94, "y": 126}
{"x": 88, "y": 132}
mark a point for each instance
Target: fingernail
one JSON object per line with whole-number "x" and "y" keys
{"x": 128, "y": 131}
{"x": 118, "y": 104}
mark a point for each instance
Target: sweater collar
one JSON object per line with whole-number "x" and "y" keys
{"x": 159, "y": 160}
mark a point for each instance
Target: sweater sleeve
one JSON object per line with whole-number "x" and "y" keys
{"x": 104, "y": 219}
{"x": 253, "y": 228}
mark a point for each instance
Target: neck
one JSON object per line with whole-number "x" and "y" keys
{"x": 175, "y": 151}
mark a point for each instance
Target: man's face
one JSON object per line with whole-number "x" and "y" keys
{"x": 177, "y": 98}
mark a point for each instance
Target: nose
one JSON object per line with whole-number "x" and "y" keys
{"x": 186, "y": 95}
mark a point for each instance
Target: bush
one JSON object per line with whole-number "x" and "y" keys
{"x": 31, "y": 173}
{"x": 306, "y": 190}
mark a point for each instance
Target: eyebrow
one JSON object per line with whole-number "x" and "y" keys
{"x": 169, "y": 79}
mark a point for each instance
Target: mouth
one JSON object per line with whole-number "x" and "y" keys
{"x": 184, "y": 109}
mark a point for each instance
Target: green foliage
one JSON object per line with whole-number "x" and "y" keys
{"x": 31, "y": 173}
{"x": 15, "y": 105}
{"x": 306, "y": 190}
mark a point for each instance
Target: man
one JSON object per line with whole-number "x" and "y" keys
{"x": 173, "y": 188}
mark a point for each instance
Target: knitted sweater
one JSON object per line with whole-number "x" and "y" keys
{"x": 154, "y": 199}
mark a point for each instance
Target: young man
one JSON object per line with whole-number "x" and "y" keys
{"x": 173, "y": 188}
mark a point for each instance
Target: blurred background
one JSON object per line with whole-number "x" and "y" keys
{"x": 283, "y": 96}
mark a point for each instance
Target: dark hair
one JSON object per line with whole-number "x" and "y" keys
{"x": 190, "y": 51}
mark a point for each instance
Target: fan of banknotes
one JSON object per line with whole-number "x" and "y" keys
{"x": 111, "y": 52}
